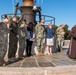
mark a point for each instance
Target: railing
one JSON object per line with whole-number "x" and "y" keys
{"x": 48, "y": 19}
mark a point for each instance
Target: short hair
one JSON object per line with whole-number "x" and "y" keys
{"x": 30, "y": 23}
{"x": 49, "y": 25}
{"x": 17, "y": 17}
{"x": 24, "y": 20}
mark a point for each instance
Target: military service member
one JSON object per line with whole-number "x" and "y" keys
{"x": 3, "y": 39}
{"x": 40, "y": 34}
{"x": 22, "y": 35}
{"x": 13, "y": 39}
{"x": 60, "y": 36}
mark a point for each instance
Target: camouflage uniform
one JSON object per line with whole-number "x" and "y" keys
{"x": 40, "y": 33}
{"x": 3, "y": 41}
{"x": 60, "y": 37}
{"x": 13, "y": 40}
{"x": 22, "y": 35}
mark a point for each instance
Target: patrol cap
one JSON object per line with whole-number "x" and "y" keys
{"x": 9, "y": 17}
{"x": 17, "y": 17}
{"x": 5, "y": 20}
{"x": 24, "y": 21}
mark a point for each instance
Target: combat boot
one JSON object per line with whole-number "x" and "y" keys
{"x": 2, "y": 63}
{"x": 61, "y": 49}
{"x": 21, "y": 56}
{"x": 40, "y": 53}
{"x": 11, "y": 60}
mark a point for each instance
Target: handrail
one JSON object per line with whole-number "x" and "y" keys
{"x": 51, "y": 18}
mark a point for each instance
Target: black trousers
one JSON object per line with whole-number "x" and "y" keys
{"x": 28, "y": 47}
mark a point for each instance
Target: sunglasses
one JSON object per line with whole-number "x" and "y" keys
{"x": 43, "y": 22}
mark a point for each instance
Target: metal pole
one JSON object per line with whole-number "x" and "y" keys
{"x": 54, "y": 21}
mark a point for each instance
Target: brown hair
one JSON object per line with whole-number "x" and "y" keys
{"x": 49, "y": 25}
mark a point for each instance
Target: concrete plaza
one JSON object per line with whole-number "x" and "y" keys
{"x": 57, "y": 64}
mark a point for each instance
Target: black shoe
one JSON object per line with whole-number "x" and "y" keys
{"x": 11, "y": 60}
{"x": 23, "y": 56}
{"x": 1, "y": 64}
{"x": 29, "y": 54}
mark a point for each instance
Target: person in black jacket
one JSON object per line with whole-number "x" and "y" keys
{"x": 30, "y": 38}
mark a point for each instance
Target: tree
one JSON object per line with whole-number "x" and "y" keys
{"x": 67, "y": 35}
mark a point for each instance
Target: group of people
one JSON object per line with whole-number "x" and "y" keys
{"x": 22, "y": 34}
{"x": 19, "y": 33}
{"x": 44, "y": 33}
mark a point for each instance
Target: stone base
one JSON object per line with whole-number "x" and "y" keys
{"x": 66, "y": 70}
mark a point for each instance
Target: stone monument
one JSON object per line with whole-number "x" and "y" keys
{"x": 29, "y": 10}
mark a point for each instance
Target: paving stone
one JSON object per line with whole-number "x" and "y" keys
{"x": 40, "y": 59}
{"x": 15, "y": 64}
{"x": 45, "y": 64}
{"x": 29, "y": 64}
{"x": 29, "y": 60}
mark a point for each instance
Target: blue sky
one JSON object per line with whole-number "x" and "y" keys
{"x": 63, "y": 10}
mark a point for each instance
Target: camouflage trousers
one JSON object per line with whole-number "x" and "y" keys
{"x": 60, "y": 42}
{"x": 13, "y": 40}
{"x": 3, "y": 47}
{"x": 21, "y": 46}
{"x": 40, "y": 42}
